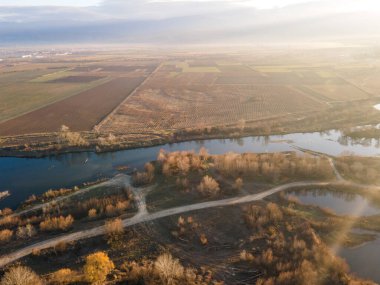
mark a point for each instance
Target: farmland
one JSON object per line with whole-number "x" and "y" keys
{"x": 79, "y": 112}
{"x": 179, "y": 94}
{"x": 39, "y": 97}
{"x": 198, "y": 93}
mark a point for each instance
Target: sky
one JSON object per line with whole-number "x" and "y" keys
{"x": 86, "y": 3}
{"x": 187, "y": 20}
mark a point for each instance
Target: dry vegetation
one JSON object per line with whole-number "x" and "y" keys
{"x": 292, "y": 251}
{"x": 56, "y": 223}
{"x": 360, "y": 169}
{"x": 21, "y": 276}
{"x": 274, "y": 167}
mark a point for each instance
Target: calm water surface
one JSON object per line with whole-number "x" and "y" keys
{"x": 339, "y": 202}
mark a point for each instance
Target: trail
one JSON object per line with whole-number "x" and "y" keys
{"x": 143, "y": 216}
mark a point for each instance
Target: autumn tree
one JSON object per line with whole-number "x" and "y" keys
{"x": 5, "y": 236}
{"x": 168, "y": 268}
{"x": 238, "y": 185}
{"x": 20, "y": 275}
{"x": 98, "y": 265}
{"x": 208, "y": 186}
{"x": 114, "y": 231}
{"x": 62, "y": 277}
{"x": 57, "y": 223}
{"x": 71, "y": 138}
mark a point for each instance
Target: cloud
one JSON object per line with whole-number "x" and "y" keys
{"x": 192, "y": 21}
{"x": 61, "y": 3}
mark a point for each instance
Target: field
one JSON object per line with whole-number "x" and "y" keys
{"x": 180, "y": 94}
{"x": 39, "y": 97}
{"x": 79, "y": 112}
{"x": 195, "y": 93}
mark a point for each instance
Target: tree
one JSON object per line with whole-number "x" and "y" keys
{"x": 238, "y": 185}
{"x": 20, "y": 275}
{"x": 168, "y": 268}
{"x": 114, "y": 230}
{"x": 208, "y": 186}
{"x": 62, "y": 276}
{"x": 97, "y": 267}
{"x": 57, "y": 223}
{"x": 71, "y": 138}
{"x": 92, "y": 213}
{"x": 5, "y": 236}
{"x": 26, "y": 232}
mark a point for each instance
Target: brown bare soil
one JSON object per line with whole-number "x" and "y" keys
{"x": 80, "y": 112}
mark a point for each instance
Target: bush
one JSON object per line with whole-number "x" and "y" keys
{"x": 92, "y": 213}
{"x": 238, "y": 185}
{"x": 97, "y": 267}
{"x": 114, "y": 231}
{"x": 5, "y": 236}
{"x": 168, "y": 268}
{"x": 20, "y": 275}
{"x": 71, "y": 138}
{"x": 5, "y": 212}
{"x": 25, "y": 232}
{"x": 114, "y": 227}
{"x": 62, "y": 277}
{"x": 209, "y": 186}
{"x": 57, "y": 223}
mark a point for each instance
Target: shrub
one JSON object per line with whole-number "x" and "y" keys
{"x": 238, "y": 185}
{"x": 203, "y": 239}
{"x": 5, "y": 236}
{"x": 114, "y": 231}
{"x": 168, "y": 268}
{"x": 92, "y": 213}
{"x": 51, "y": 194}
{"x": 5, "y": 212}
{"x": 246, "y": 256}
{"x": 57, "y": 223}
{"x": 61, "y": 247}
{"x": 209, "y": 186}
{"x": 71, "y": 138}
{"x": 62, "y": 277}
{"x": 114, "y": 227}
{"x": 97, "y": 267}
{"x": 20, "y": 275}
{"x": 25, "y": 232}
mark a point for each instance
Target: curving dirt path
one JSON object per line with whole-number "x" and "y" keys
{"x": 143, "y": 216}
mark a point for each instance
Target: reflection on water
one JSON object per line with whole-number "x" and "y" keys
{"x": 339, "y": 202}
{"x": 364, "y": 260}
{"x": 24, "y": 177}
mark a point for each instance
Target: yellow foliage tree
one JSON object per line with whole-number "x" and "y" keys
{"x": 98, "y": 266}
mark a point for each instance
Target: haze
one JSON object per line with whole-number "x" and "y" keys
{"x": 189, "y": 22}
